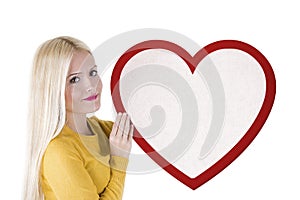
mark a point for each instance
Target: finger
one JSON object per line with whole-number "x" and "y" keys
{"x": 130, "y": 135}
{"x": 116, "y": 124}
{"x": 122, "y": 124}
{"x": 127, "y": 127}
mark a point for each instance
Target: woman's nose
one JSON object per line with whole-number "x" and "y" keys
{"x": 89, "y": 85}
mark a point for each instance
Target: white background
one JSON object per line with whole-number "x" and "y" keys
{"x": 267, "y": 169}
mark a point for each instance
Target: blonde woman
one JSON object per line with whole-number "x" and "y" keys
{"x": 72, "y": 156}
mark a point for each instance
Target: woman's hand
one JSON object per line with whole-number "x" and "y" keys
{"x": 120, "y": 138}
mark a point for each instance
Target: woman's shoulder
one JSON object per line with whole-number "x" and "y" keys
{"x": 63, "y": 151}
{"x": 64, "y": 143}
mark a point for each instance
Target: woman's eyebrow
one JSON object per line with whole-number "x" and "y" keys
{"x": 75, "y": 73}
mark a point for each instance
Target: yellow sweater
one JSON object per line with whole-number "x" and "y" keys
{"x": 80, "y": 167}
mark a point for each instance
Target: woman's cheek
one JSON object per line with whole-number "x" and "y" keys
{"x": 68, "y": 97}
{"x": 99, "y": 86}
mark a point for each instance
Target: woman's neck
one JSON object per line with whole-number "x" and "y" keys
{"x": 78, "y": 123}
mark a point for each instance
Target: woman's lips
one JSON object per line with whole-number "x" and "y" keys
{"x": 91, "y": 98}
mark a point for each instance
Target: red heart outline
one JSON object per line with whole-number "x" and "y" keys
{"x": 192, "y": 62}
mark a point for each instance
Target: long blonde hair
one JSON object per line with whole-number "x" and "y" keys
{"x": 47, "y": 104}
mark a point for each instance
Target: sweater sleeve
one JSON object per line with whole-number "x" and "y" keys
{"x": 66, "y": 175}
{"x": 118, "y": 167}
{"x": 114, "y": 189}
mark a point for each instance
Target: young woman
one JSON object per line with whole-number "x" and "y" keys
{"x": 72, "y": 156}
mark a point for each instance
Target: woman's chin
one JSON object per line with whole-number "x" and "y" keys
{"x": 97, "y": 107}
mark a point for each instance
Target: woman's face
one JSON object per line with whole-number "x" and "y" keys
{"x": 83, "y": 85}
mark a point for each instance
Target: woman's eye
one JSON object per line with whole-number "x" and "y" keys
{"x": 75, "y": 79}
{"x": 93, "y": 73}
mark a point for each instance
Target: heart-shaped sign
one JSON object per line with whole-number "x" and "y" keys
{"x": 192, "y": 62}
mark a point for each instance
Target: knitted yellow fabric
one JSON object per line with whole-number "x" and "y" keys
{"x": 80, "y": 167}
